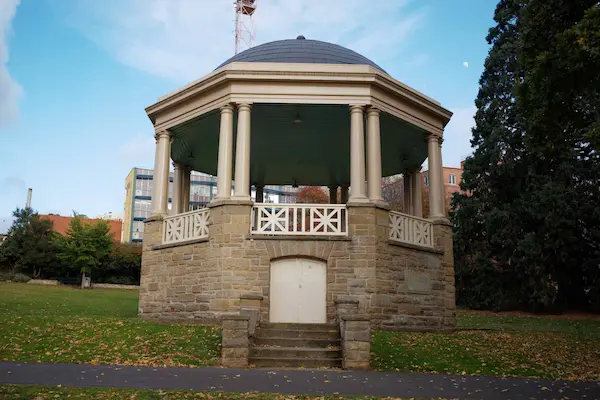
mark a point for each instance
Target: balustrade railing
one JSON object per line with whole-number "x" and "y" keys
{"x": 186, "y": 226}
{"x": 408, "y": 229}
{"x": 300, "y": 219}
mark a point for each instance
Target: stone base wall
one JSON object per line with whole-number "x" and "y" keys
{"x": 398, "y": 287}
{"x": 356, "y": 342}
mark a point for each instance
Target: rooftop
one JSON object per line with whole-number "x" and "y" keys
{"x": 301, "y": 50}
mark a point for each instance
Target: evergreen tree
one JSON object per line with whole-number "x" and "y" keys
{"x": 483, "y": 232}
{"x": 559, "y": 104}
{"x": 527, "y": 233}
{"x": 28, "y": 247}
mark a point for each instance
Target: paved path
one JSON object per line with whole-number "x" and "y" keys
{"x": 315, "y": 382}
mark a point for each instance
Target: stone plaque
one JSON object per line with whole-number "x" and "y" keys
{"x": 419, "y": 282}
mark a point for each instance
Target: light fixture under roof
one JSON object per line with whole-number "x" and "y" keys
{"x": 298, "y": 120}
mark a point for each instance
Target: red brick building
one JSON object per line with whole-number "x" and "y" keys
{"x": 452, "y": 178}
{"x": 61, "y": 224}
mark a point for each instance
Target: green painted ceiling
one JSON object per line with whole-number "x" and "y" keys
{"x": 314, "y": 152}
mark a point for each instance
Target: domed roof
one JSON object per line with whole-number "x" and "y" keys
{"x": 301, "y": 50}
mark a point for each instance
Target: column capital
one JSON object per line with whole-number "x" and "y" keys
{"x": 373, "y": 111}
{"x": 354, "y": 108}
{"x": 434, "y": 136}
{"x": 244, "y": 106}
{"x": 227, "y": 108}
{"x": 163, "y": 133}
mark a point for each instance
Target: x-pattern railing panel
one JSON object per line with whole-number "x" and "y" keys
{"x": 187, "y": 226}
{"x": 300, "y": 219}
{"x": 409, "y": 229}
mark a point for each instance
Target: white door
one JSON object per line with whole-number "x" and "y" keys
{"x": 298, "y": 288}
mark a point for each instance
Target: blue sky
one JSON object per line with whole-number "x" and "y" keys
{"x": 76, "y": 75}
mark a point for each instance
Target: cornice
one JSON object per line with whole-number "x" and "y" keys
{"x": 293, "y": 74}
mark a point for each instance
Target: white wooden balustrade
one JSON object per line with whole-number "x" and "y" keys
{"x": 186, "y": 226}
{"x": 408, "y": 229}
{"x": 300, "y": 219}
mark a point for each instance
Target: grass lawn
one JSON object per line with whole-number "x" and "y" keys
{"x": 489, "y": 344}
{"x": 44, "y": 392}
{"x": 57, "y": 324}
{"x": 61, "y": 324}
{"x": 10, "y": 392}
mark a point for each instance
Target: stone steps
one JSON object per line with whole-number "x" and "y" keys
{"x": 295, "y": 362}
{"x": 295, "y": 352}
{"x": 296, "y": 345}
{"x": 296, "y": 342}
{"x": 300, "y": 327}
{"x": 304, "y": 334}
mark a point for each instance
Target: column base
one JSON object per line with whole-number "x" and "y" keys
{"x": 241, "y": 198}
{"x": 229, "y": 201}
{"x": 156, "y": 217}
{"x": 438, "y": 217}
{"x": 380, "y": 203}
{"x": 363, "y": 199}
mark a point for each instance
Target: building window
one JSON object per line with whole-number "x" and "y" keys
{"x": 452, "y": 179}
{"x": 426, "y": 179}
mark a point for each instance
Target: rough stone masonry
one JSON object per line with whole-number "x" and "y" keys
{"x": 398, "y": 286}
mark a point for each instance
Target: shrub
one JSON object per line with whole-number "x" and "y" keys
{"x": 120, "y": 280}
{"x": 6, "y": 276}
{"x": 21, "y": 278}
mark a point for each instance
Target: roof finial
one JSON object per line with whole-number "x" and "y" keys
{"x": 301, "y": 37}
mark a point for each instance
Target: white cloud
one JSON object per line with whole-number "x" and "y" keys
{"x": 185, "y": 39}
{"x": 138, "y": 151}
{"x": 10, "y": 91}
{"x": 457, "y": 136}
{"x": 465, "y": 64}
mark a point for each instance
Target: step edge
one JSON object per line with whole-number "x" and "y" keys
{"x": 298, "y": 339}
{"x": 305, "y": 349}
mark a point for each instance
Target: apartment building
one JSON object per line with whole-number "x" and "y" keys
{"x": 203, "y": 187}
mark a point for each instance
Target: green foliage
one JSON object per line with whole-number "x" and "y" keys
{"x": 29, "y": 246}
{"x": 122, "y": 266}
{"x": 6, "y": 276}
{"x": 22, "y": 278}
{"x": 527, "y": 234}
{"x": 86, "y": 246}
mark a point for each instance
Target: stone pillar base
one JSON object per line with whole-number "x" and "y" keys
{"x": 235, "y": 343}
{"x": 356, "y": 342}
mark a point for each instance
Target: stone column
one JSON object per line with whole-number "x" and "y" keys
{"x": 178, "y": 181}
{"x": 442, "y": 182}
{"x": 224, "y": 164}
{"x": 436, "y": 198}
{"x": 185, "y": 192}
{"x": 357, "y": 155}
{"x": 374, "y": 156}
{"x": 344, "y": 194}
{"x": 160, "y": 195}
{"x": 333, "y": 194}
{"x": 407, "y": 179}
{"x": 260, "y": 193}
{"x": 242, "y": 154}
{"x": 416, "y": 191}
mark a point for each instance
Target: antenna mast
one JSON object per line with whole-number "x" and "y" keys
{"x": 245, "y": 29}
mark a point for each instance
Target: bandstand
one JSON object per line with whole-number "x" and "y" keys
{"x": 298, "y": 112}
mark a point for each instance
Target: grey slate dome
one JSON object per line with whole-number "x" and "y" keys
{"x": 301, "y": 50}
